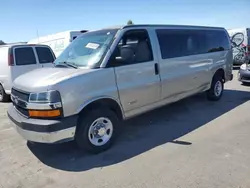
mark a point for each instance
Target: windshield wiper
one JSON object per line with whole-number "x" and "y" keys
{"x": 67, "y": 64}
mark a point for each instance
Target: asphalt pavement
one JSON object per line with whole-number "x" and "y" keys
{"x": 191, "y": 143}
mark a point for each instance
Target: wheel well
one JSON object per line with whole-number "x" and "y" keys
{"x": 220, "y": 72}
{"x": 108, "y": 103}
{"x": 1, "y": 85}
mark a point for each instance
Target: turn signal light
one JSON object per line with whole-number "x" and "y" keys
{"x": 47, "y": 113}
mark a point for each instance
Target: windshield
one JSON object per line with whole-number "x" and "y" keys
{"x": 87, "y": 49}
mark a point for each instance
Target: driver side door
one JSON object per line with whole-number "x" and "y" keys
{"x": 138, "y": 81}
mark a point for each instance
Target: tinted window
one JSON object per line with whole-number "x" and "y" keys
{"x": 178, "y": 43}
{"x": 25, "y": 56}
{"x": 44, "y": 55}
{"x": 217, "y": 41}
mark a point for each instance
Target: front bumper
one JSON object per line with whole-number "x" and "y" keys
{"x": 42, "y": 130}
{"x": 244, "y": 76}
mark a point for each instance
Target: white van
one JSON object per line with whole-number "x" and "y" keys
{"x": 240, "y": 42}
{"x": 58, "y": 41}
{"x": 17, "y": 59}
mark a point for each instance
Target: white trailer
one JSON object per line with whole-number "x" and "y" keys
{"x": 58, "y": 41}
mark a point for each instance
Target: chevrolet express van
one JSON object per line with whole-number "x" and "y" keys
{"x": 110, "y": 75}
{"x": 17, "y": 59}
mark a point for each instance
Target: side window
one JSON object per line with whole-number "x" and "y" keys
{"x": 195, "y": 42}
{"x": 178, "y": 43}
{"x": 225, "y": 43}
{"x": 217, "y": 41}
{"x": 25, "y": 56}
{"x": 134, "y": 47}
{"x": 44, "y": 55}
{"x": 201, "y": 47}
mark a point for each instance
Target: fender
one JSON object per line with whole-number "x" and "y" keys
{"x": 86, "y": 103}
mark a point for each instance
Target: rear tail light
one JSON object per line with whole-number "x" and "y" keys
{"x": 10, "y": 60}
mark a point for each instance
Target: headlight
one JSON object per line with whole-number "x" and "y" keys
{"x": 45, "y": 97}
{"x": 45, "y": 105}
{"x": 243, "y": 66}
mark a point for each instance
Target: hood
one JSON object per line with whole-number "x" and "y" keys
{"x": 41, "y": 79}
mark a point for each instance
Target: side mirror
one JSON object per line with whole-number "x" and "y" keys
{"x": 127, "y": 55}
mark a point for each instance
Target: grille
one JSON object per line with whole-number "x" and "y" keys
{"x": 19, "y": 100}
{"x": 245, "y": 78}
{"x": 21, "y": 110}
{"x": 20, "y": 95}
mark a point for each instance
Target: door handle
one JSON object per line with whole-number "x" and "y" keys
{"x": 156, "y": 69}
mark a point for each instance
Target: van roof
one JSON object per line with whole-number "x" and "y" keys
{"x": 161, "y": 25}
{"x": 22, "y": 44}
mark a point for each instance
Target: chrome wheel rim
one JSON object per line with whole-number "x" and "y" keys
{"x": 218, "y": 88}
{"x": 100, "y": 131}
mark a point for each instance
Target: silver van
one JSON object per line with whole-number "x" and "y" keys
{"x": 113, "y": 74}
{"x": 17, "y": 59}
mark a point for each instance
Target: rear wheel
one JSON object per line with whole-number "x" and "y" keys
{"x": 97, "y": 130}
{"x": 3, "y": 96}
{"x": 217, "y": 87}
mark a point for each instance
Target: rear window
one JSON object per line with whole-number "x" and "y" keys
{"x": 25, "y": 56}
{"x": 44, "y": 55}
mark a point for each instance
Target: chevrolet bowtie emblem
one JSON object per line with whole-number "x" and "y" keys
{"x": 15, "y": 99}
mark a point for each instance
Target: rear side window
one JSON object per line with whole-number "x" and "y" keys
{"x": 217, "y": 41}
{"x": 44, "y": 55}
{"x": 25, "y": 56}
{"x": 178, "y": 43}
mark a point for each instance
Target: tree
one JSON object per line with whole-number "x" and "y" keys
{"x": 130, "y": 22}
{"x": 2, "y": 42}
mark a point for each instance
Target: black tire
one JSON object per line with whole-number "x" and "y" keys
{"x": 3, "y": 96}
{"x": 85, "y": 121}
{"x": 211, "y": 93}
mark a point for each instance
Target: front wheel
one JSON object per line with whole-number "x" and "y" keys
{"x": 216, "y": 90}
{"x": 97, "y": 130}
